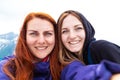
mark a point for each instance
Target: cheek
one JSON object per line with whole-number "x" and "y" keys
{"x": 51, "y": 40}
{"x": 83, "y": 35}
{"x": 29, "y": 41}
{"x": 64, "y": 40}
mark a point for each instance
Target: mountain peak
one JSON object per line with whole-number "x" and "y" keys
{"x": 8, "y": 36}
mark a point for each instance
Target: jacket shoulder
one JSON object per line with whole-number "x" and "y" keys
{"x": 3, "y": 76}
{"x": 104, "y": 44}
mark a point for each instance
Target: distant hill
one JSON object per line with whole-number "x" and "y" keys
{"x": 7, "y": 44}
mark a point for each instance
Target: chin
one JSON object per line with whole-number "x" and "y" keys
{"x": 74, "y": 51}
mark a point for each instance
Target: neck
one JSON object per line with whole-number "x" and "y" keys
{"x": 45, "y": 59}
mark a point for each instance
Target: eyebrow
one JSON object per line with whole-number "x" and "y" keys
{"x": 50, "y": 31}
{"x": 45, "y": 31}
{"x": 63, "y": 28}
{"x": 78, "y": 25}
{"x": 74, "y": 26}
{"x": 32, "y": 30}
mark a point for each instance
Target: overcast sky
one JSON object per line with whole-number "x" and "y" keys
{"x": 104, "y": 15}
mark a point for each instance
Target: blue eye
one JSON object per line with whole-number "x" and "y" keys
{"x": 79, "y": 28}
{"x": 64, "y": 31}
{"x": 48, "y": 34}
{"x": 33, "y": 34}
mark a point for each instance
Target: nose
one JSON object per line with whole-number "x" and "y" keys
{"x": 41, "y": 39}
{"x": 72, "y": 35}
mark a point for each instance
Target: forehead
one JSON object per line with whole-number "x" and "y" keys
{"x": 38, "y": 23}
{"x": 70, "y": 20}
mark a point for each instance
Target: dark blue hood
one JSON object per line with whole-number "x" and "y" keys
{"x": 90, "y": 32}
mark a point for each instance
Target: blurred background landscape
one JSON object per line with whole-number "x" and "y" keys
{"x": 7, "y": 44}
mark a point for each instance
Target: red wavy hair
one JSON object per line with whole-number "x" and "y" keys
{"x": 21, "y": 65}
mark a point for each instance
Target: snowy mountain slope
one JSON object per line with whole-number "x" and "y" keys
{"x": 7, "y": 44}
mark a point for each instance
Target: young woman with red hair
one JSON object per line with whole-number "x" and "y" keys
{"x": 36, "y": 51}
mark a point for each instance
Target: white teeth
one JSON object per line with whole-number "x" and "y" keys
{"x": 74, "y": 42}
{"x": 40, "y": 48}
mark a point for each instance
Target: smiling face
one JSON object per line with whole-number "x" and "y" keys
{"x": 40, "y": 37}
{"x": 73, "y": 34}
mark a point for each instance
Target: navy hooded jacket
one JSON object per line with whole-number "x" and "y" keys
{"x": 78, "y": 71}
{"x": 41, "y": 71}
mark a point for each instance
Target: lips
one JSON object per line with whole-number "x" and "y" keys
{"x": 41, "y": 47}
{"x": 74, "y": 42}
